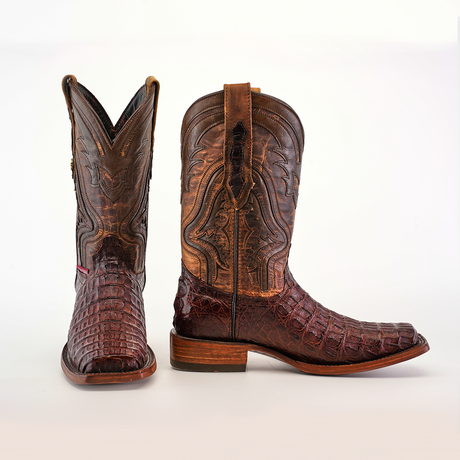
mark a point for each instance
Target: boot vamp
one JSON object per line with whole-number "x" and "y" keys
{"x": 107, "y": 332}
{"x": 293, "y": 323}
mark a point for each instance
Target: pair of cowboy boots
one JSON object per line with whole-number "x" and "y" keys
{"x": 241, "y": 161}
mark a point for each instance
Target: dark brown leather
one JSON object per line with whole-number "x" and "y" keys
{"x": 111, "y": 168}
{"x": 290, "y": 322}
{"x": 235, "y": 283}
{"x": 107, "y": 332}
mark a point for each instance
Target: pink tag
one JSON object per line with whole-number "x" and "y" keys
{"x": 82, "y": 269}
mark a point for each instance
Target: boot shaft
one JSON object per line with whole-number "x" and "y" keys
{"x": 111, "y": 167}
{"x": 241, "y": 159}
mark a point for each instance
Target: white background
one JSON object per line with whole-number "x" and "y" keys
{"x": 376, "y": 237}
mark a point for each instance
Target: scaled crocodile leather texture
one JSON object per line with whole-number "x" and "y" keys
{"x": 290, "y": 322}
{"x": 111, "y": 168}
{"x": 235, "y": 283}
{"x": 107, "y": 332}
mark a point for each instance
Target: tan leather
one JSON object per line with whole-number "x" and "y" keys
{"x": 238, "y": 143}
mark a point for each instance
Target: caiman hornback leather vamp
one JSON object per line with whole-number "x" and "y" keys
{"x": 111, "y": 168}
{"x": 241, "y": 161}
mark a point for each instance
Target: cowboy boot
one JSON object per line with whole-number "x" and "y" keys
{"x": 241, "y": 159}
{"x": 111, "y": 167}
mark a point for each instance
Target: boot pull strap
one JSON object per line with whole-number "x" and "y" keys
{"x": 152, "y": 84}
{"x": 66, "y": 90}
{"x": 238, "y": 143}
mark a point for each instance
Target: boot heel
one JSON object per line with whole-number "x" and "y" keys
{"x": 206, "y": 355}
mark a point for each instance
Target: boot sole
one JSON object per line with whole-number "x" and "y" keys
{"x": 213, "y": 356}
{"x": 109, "y": 377}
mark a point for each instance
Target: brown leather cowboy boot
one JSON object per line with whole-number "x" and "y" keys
{"x": 111, "y": 167}
{"x": 241, "y": 158}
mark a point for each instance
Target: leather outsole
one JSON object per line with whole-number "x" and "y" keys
{"x": 213, "y": 356}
